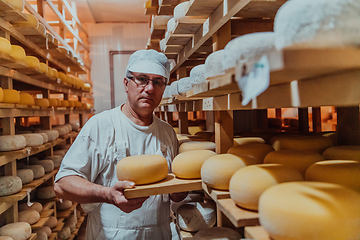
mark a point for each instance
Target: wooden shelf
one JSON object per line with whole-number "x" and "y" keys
{"x": 9, "y": 13}
{"x": 15, "y": 197}
{"x": 66, "y": 213}
{"x": 53, "y": 236}
{"x": 47, "y": 213}
{"x": 37, "y": 182}
{"x": 201, "y": 8}
{"x": 59, "y": 226}
{"x": 39, "y": 224}
{"x": 33, "y": 236}
{"x": 256, "y": 233}
{"x": 5, "y": 206}
{"x": 260, "y": 9}
{"x": 215, "y": 194}
{"x": 188, "y": 25}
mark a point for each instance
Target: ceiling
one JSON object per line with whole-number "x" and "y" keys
{"x": 106, "y": 11}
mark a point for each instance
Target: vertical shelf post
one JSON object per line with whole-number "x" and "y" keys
{"x": 224, "y": 132}
{"x": 303, "y": 120}
{"x": 348, "y": 125}
{"x": 316, "y": 119}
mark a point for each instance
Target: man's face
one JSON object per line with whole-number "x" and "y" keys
{"x": 144, "y": 98}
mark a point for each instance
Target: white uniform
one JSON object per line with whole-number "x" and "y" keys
{"x": 105, "y": 139}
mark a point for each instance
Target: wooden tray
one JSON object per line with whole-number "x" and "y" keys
{"x": 170, "y": 184}
{"x": 256, "y": 233}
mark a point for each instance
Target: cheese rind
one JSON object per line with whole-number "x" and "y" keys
{"x": 30, "y": 216}
{"x": 17, "y": 231}
{"x": 213, "y": 64}
{"x": 10, "y": 185}
{"x": 48, "y": 165}
{"x": 12, "y": 142}
{"x": 342, "y": 153}
{"x": 18, "y": 4}
{"x": 38, "y": 170}
{"x": 52, "y": 134}
{"x": 180, "y": 10}
{"x": 245, "y": 140}
{"x": 193, "y": 217}
{"x": 51, "y": 222}
{"x": 306, "y": 143}
{"x": 42, "y": 102}
{"x": 35, "y": 206}
{"x": 32, "y": 62}
{"x": 33, "y": 139}
{"x": 26, "y": 175}
{"x": 195, "y": 145}
{"x": 65, "y": 204}
{"x": 5, "y": 45}
{"x": 256, "y": 152}
{"x": 18, "y": 53}
{"x": 27, "y": 99}
{"x": 45, "y": 192}
{"x": 197, "y": 74}
{"x": 11, "y": 96}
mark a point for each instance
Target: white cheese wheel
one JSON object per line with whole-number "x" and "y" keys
{"x": 51, "y": 222}
{"x": 12, "y": 142}
{"x": 18, "y": 52}
{"x": 29, "y": 216}
{"x": 41, "y": 235}
{"x": 167, "y": 93}
{"x": 344, "y": 172}
{"x": 247, "y": 49}
{"x": 52, "y": 134}
{"x": 197, "y": 74}
{"x": 65, "y": 204}
{"x": 217, "y": 233}
{"x": 174, "y": 88}
{"x": 184, "y": 85}
{"x": 299, "y": 160}
{"x": 342, "y": 153}
{"x": 48, "y": 165}
{"x": 45, "y": 137}
{"x": 193, "y": 217}
{"x": 245, "y": 140}
{"x": 65, "y": 233}
{"x": 5, "y": 45}
{"x": 320, "y": 24}
{"x": 11, "y": 96}
{"x": 10, "y": 185}
{"x": 75, "y": 126}
{"x": 17, "y": 231}
{"x": 32, "y": 62}
{"x": 256, "y": 150}
{"x": 26, "y": 175}
{"x": 42, "y": 102}
{"x": 27, "y": 99}
{"x": 248, "y": 183}
{"x": 62, "y": 130}
{"x": 311, "y": 211}
{"x": 60, "y": 152}
{"x": 195, "y": 145}
{"x": 33, "y": 139}
{"x": 190, "y": 198}
{"x": 38, "y": 170}
{"x": 35, "y": 206}
{"x": 308, "y": 143}
{"x": 45, "y": 192}
{"x": 46, "y": 230}
{"x": 217, "y": 171}
{"x": 160, "y": 21}
{"x": 44, "y": 68}
{"x": 18, "y": 4}
{"x": 170, "y": 26}
{"x": 6, "y": 238}
{"x": 56, "y": 159}
{"x": 188, "y": 164}
{"x": 180, "y": 10}
{"x": 162, "y": 44}
{"x": 142, "y": 169}
{"x": 213, "y": 64}
{"x": 68, "y": 125}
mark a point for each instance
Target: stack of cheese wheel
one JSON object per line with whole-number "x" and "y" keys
{"x": 195, "y": 145}
{"x": 18, "y": 53}
{"x": 12, "y": 142}
{"x": 297, "y": 159}
{"x": 217, "y": 233}
{"x": 9, "y": 185}
{"x": 32, "y": 62}
{"x": 274, "y": 122}
{"x": 293, "y": 25}
{"x": 17, "y": 231}
{"x": 142, "y": 169}
{"x": 193, "y": 217}
{"x": 30, "y": 216}
{"x": 65, "y": 103}
{"x": 18, "y": 4}
{"x": 342, "y": 152}
{"x": 213, "y": 64}
{"x": 180, "y": 10}
{"x": 245, "y": 140}
{"x": 256, "y": 152}
{"x": 197, "y": 74}
{"x": 248, "y": 183}
{"x": 42, "y": 103}
{"x": 33, "y": 139}
{"x": 311, "y": 211}
{"x": 45, "y": 137}
{"x": 27, "y": 99}
{"x": 10, "y": 96}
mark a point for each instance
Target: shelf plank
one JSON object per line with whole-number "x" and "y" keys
{"x": 66, "y": 213}
{"x": 47, "y": 213}
{"x": 173, "y": 49}
{"x": 48, "y": 205}
{"x": 37, "y": 182}
{"x": 202, "y": 8}
{"x": 15, "y": 197}
{"x": 157, "y": 34}
{"x": 178, "y": 39}
{"x": 6, "y": 157}
{"x": 58, "y": 227}
{"x": 39, "y": 224}
{"x": 5, "y": 206}
{"x": 12, "y": 111}
{"x": 9, "y": 13}
{"x": 33, "y": 236}
{"x": 260, "y": 9}
{"x": 215, "y": 194}
{"x": 256, "y": 233}
{"x": 53, "y": 236}
{"x": 166, "y": 10}
{"x": 188, "y": 25}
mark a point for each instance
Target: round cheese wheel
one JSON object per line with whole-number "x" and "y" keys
{"x": 170, "y": 26}
{"x": 184, "y": 85}
{"x": 62, "y": 130}
{"x": 26, "y": 175}
{"x": 310, "y": 210}
{"x": 248, "y": 183}
{"x": 44, "y": 68}
{"x": 48, "y": 165}
{"x": 194, "y": 145}
{"x": 142, "y": 169}
{"x": 41, "y": 235}
{"x": 65, "y": 204}
{"x": 193, "y": 217}
{"x": 167, "y": 93}
{"x": 190, "y": 198}
{"x": 42, "y": 102}
{"x": 256, "y": 150}
{"x": 10, "y": 185}
{"x": 65, "y": 103}
{"x": 31, "y": 21}
{"x": 6, "y": 238}
{"x": 174, "y": 88}
{"x": 63, "y": 77}
{"x": 197, "y": 74}
{"x": 45, "y": 137}
{"x": 35, "y": 206}
{"x": 18, "y": 4}
{"x": 56, "y": 159}
{"x": 17, "y": 231}
{"x": 60, "y": 153}
{"x": 69, "y": 127}
{"x": 46, "y": 230}
{"x": 297, "y": 159}
{"x": 55, "y": 73}
{"x": 11, "y": 96}
{"x": 180, "y": 10}
{"x": 217, "y": 233}
{"x": 245, "y": 140}
{"x": 308, "y": 143}
{"x": 27, "y": 99}
{"x": 18, "y": 52}
{"x": 217, "y": 171}
{"x": 335, "y": 24}
{"x": 65, "y": 233}
{"x": 51, "y": 222}
{"x": 29, "y": 216}
{"x": 5, "y": 45}
{"x": 188, "y": 164}
{"x": 71, "y": 222}
{"x": 160, "y": 21}
{"x": 344, "y": 172}
{"x": 33, "y": 139}
{"x": 52, "y": 134}
{"x": 75, "y": 126}
{"x": 213, "y": 64}
{"x": 38, "y": 170}
{"x": 45, "y": 192}
{"x": 342, "y": 153}
{"x": 12, "y": 142}
{"x": 32, "y": 62}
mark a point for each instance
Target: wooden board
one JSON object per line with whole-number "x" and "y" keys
{"x": 47, "y": 213}
{"x": 15, "y": 197}
{"x": 256, "y": 233}
{"x": 238, "y": 216}
{"x": 188, "y": 25}
{"x": 202, "y": 8}
{"x": 58, "y": 227}
{"x": 178, "y": 39}
{"x": 11, "y": 14}
{"x": 260, "y": 9}
{"x": 215, "y": 194}
{"x": 166, "y": 10}
{"x": 53, "y": 236}
{"x": 173, "y": 49}
{"x": 170, "y": 184}
{"x": 39, "y": 224}
{"x": 37, "y": 182}
{"x": 66, "y": 213}
{"x": 157, "y": 34}
{"x": 33, "y": 236}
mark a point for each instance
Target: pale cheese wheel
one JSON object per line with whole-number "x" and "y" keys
{"x": 75, "y": 126}
{"x": 160, "y": 21}
{"x": 65, "y": 204}
{"x": 69, "y": 126}
{"x": 5, "y": 45}
{"x": 188, "y": 164}
{"x": 71, "y": 222}
{"x": 65, "y": 233}
{"x": 32, "y": 62}
{"x": 217, "y": 171}
{"x": 12, "y": 142}
{"x": 38, "y": 170}
{"x": 256, "y": 150}
{"x": 142, "y": 169}
{"x": 33, "y": 139}
{"x": 6, "y": 238}
{"x": 17, "y": 231}
{"x": 18, "y": 52}
{"x": 180, "y": 10}
{"x": 10, "y": 185}
{"x": 46, "y": 230}
{"x": 245, "y": 140}
{"x": 299, "y": 160}
{"x": 190, "y": 198}
{"x": 195, "y": 145}
{"x": 171, "y": 25}
{"x": 51, "y": 222}
{"x": 193, "y": 217}
{"x": 62, "y": 130}
{"x": 213, "y": 64}
{"x": 174, "y": 88}
{"x": 197, "y": 74}
{"x": 184, "y": 85}
{"x": 308, "y": 143}
{"x": 42, "y": 102}
{"x": 26, "y": 175}
{"x": 31, "y": 21}
{"x": 344, "y": 172}
{"x": 248, "y": 183}
{"x": 45, "y": 192}
{"x": 35, "y": 206}
{"x": 29, "y": 216}
{"x": 342, "y": 153}
{"x": 18, "y": 4}
{"x": 45, "y": 137}
{"x": 43, "y": 68}
{"x": 52, "y": 134}
{"x": 48, "y": 165}
{"x": 167, "y": 93}
{"x": 56, "y": 159}
{"x": 27, "y": 99}
{"x": 41, "y": 235}
{"x": 311, "y": 211}
{"x": 60, "y": 152}
{"x": 11, "y": 96}
{"x": 217, "y": 233}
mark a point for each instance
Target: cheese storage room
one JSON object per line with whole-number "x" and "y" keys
{"x": 180, "y": 119}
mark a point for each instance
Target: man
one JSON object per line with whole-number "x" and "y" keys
{"x": 88, "y": 172}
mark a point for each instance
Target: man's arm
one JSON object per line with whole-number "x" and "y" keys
{"x": 80, "y": 190}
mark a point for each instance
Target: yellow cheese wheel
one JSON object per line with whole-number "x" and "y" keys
{"x": 18, "y": 52}
{"x": 31, "y": 21}
{"x": 27, "y": 99}
{"x": 256, "y": 150}
{"x": 245, "y": 140}
{"x": 65, "y": 103}
{"x": 188, "y": 164}
{"x": 32, "y": 62}
{"x": 1, "y": 94}
{"x": 42, "y": 102}
{"x": 299, "y": 160}
{"x": 5, "y": 45}
{"x": 50, "y": 72}
{"x": 43, "y": 68}
{"x": 63, "y": 77}
{"x": 217, "y": 171}
{"x": 342, "y": 153}
{"x": 35, "y": 206}
{"x": 311, "y": 211}
{"x": 309, "y": 143}
{"x": 29, "y": 216}
{"x": 195, "y": 145}
{"x": 17, "y": 231}
{"x": 142, "y": 169}
{"x": 72, "y": 104}
{"x": 18, "y": 4}
{"x": 55, "y": 73}
{"x": 41, "y": 28}
{"x": 53, "y": 102}
{"x": 248, "y": 183}
{"x": 344, "y": 172}
{"x": 11, "y": 96}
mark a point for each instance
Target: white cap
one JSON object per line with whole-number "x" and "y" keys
{"x": 149, "y": 61}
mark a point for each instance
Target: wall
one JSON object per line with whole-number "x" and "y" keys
{"x": 107, "y": 37}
